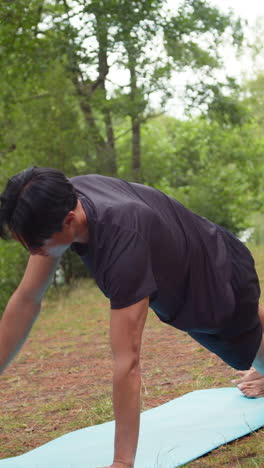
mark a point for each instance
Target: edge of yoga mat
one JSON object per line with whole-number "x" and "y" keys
{"x": 171, "y": 434}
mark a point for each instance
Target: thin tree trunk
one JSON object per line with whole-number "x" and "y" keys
{"x": 103, "y": 69}
{"x": 135, "y": 122}
{"x": 98, "y": 141}
{"x": 136, "y": 154}
{"x": 111, "y": 160}
{"x": 104, "y": 147}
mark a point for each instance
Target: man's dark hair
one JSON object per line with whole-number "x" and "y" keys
{"x": 34, "y": 205}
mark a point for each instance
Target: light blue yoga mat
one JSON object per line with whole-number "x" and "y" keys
{"x": 170, "y": 435}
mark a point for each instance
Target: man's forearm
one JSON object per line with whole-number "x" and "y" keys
{"x": 17, "y": 320}
{"x": 126, "y": 400}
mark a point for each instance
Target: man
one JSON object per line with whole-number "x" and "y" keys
{"x": 144, "y": 249}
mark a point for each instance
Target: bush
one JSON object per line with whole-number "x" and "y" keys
{"x": 13, "y": 260}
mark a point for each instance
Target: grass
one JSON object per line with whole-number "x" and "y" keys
{"x": 61, "y": 380}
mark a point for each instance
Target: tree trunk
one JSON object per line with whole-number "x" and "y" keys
{"x": 103, "y": 69}
{"x": 101, "y": 147}
{"x": 136, "y": 160}
{"x": 104, "y": 147}
{"x": 111, "y": 165}
{"x": 135, "y": 121}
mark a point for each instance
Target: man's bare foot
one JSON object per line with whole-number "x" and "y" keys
{"x": 254, "y": 389}
{"x": 248, "y": 376}
{"x": 251, "y": 383}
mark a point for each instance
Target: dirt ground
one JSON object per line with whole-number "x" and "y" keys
{"x": 63, "y": 382}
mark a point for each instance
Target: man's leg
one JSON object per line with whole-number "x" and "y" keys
{"x": 251, "y": 382}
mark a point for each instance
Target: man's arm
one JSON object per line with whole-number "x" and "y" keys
{"x": 24, "y": 305}
{"x": 126, "y": 328}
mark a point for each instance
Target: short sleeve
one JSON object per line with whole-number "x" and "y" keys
{"x": 129, "y": 277}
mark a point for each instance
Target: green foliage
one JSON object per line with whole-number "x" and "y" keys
{"x": 59, "y": 107}
{"x": 44, "y": 129}
{"x": 214, "y": 170}
{"x": 224, "y": 195}
{"x": 13, "y": 259}
{"x": 254, "y": 98}
{"x": 221, "y": 102}
{"x": 56, "y": 57}
{"x": 184, "y": 32}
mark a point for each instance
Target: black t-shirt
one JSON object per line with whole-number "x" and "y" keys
{"x": 144, "y": 243}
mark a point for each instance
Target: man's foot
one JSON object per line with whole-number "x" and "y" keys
{"x": 247, "y": 376}
{"x": 251, "y": 383}
{"x": 254, "y": 389}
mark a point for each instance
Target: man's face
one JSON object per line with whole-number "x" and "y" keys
{"x": 58, "y": 243}
{"x": 55, "y": 246}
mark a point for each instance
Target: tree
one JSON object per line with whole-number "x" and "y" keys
{"x": 90, "y": 39}
{"x": 254, "y": 98}
{"x": 214, "y": 170}
{"x": 140, "y": 25}
{"x": 222, "y": 102}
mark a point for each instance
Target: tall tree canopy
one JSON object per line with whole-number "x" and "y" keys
{"x": 86, "y": 42}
